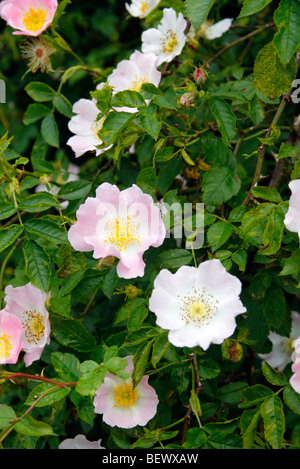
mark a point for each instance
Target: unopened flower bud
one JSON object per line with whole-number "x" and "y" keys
{"x": 187, "y": 99}
{"x": 199, "y": 75}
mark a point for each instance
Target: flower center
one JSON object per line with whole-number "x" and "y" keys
{"x": 144, "y": 7}
{"x": 122, "y": 232}
{"x": 169, "y": 42}
{"x": 96, "y": 127}
{"x": 136, "y": 85}
{"x": 198, "y": 307}
{"x": 5, "y": 346}
{"x": 34, "y": 326}
{"x": 197, "y": 310}
{"x": 34, "y": 19}
{"x": 125, "y": 395}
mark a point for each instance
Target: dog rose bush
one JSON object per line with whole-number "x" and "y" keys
{"x": 149, "y": 224}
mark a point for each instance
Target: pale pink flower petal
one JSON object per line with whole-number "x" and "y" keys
{"x": 292, "y": 217}
{"x": 80, "y": 442}
{"x": 168, "y": 40}
{"x": 85, "y": 125}
{"x": 123, "y": 224}
{"x": 197, "y": 305}
{"x": 121, "y": 404}
{"x": 141, "y": 8}
{"x": 218, "y": 29}
{"x": 282, "y": 347}
{"x": 11, "y": 331}
{"x": 28, "y": 17}
{"x": 131, "y": 74}
{"x": 28, "y": 304}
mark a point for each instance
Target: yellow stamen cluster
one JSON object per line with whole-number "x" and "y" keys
{"x": 198, "y": 307}
{"x": 138, "y": 82}
{"x": 34, "y": 19}
{"x": 144, "y": 6}
{"x": 34, "y": 326}
{"x": 125, "y": 395}
{"x": 122, "y": 232}
{"x": 169, "y": 42}
{"x": 96, "y": 127}
{"x": 5, "y": 346}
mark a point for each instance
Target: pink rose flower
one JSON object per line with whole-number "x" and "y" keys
{"x": 85, "y": 126}
{"x": 123, "y": 224}
{"x": 295, "y": 378}
{"x": 11, "y": 331}
{"x": 28, "y": 17}
{"x": 121, "y": 404}
{"x": 27, "y": 303}
{"x": 133, "y": 73}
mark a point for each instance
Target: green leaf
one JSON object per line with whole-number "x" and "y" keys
{"x": 71, "y": 333}
{"x": 38, "y": 202}
{"x": 273, "y": 232}
{"x": 150, "y": 120}
{"x": 209, "y": 369}
{"x": 113, "y": 126}
{"x": 292, "y": 264}
{"x": 49, "y": 131}
{"x": 195, "y": 438}
{"x": 274, "y": 305}
{"x": 174, "y": 258}
{"x": 35, "y": 112}
{"x": 39, "y": 91}
{"x": 6, "y": 415}
{"x": 287, "y": 150}
{"x": 254, "y": 395}
{"x": 274, "y": 376}
{"x": 74, "y": 190}
{"x": 274, "y": 422}
{"x": 292, "y": 399}
{"x": 253, "y": 6}
{"x": 225, "y": 118}
{"x": 63, "y": 105}
{"x": 248, "y": 424}
{"x": 266, "y": 193}
{"x": 7, "y": 210}
{"x": 287, "y": 39}
{"x": 32, "y": 427}
{"x": 232, "y": 392}
{"x": 225, "y": 440}
{"x": 91, "y": 381}
{"x": 218, "y": 234}
{"x": 9, "y": 235}
{"x": 50, "y": 396}
{"x": 271, "y": 77}
{"x": 67, "y": 366}
{"x": 219, "y": 184}
{"x": 37, "y": 265}
{"x": 197, "y": 11}
{"x": 46, "y": 229}
{"x": 140, "y": 362}
{"x": 160, "y": 345}
{"x": 128, "y": 98}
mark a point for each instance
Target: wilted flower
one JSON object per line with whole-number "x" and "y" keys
{"x": 282, "y": 347}
{"x": 141, "y": 8}
{"x": 86, "y": 126}
{"x": 118, "y": 223}
{"x": 11, "y": 331}
{"x": 28, "y": 17}
{"x": 292, "y": 217}
{"x": 38, "y": 51}
{"x": 27, "y": 303}
{"x": 123, "y": 405}
{"x": 168, "y": 40}
{"x": 133, "y": 73}
{"x": 80, "y": 442}
{"x": 197, "y": 305}
{"x": 212, "y": 31}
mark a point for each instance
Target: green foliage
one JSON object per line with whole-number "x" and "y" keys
{"x": 227, "y": 143}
